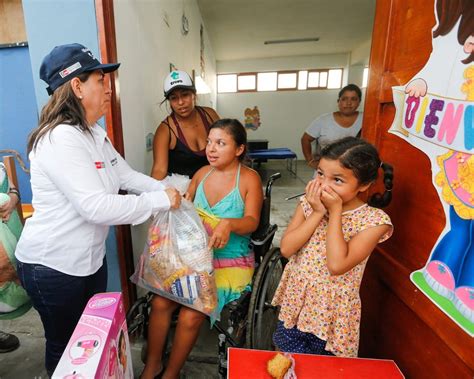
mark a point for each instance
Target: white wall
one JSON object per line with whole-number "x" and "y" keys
{"x": 149, "y": 38}
{"x": 284, "y": 114}
{"x": 361, "y": 54}
{"x": 358, "y": 61}
{"x": 146, "y": 46}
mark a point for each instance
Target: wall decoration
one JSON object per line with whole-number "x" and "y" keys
{"x": 435, "y": 113}
{"x": 149, "y": 141}
{"x": 173, "y": 67}
{"x": 252, "y": 118}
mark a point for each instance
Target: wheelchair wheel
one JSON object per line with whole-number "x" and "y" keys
{"x": 137, "y": 318}
{"x": 262, "y": 316}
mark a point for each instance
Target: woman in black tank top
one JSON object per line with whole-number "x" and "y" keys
{"x": 180, "y": 140}
{"x": 179, "y": 147}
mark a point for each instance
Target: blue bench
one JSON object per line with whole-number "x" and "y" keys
{"x": 276, "y": 153}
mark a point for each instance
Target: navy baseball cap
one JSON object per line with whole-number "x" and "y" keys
{"x": 65, "y": 62}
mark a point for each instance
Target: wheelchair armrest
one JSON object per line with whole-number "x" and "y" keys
{"x": 260, "y": 240}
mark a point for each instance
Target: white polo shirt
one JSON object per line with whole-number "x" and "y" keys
{"x": 326, "y": 130}
{"x": 75, "y": 180}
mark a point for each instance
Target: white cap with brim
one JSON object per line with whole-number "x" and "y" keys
{"x": 177, "y": 79}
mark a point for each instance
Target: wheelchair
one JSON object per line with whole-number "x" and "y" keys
{"x": 250, "y": 320}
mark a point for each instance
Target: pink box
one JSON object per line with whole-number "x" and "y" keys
{"x": 99, "y": 347}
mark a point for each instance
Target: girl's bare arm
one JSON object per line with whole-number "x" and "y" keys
{"x": 299, "y": 231}
{"x": 342, "y": 256}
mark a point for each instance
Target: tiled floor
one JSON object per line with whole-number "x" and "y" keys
{"x": 27, "y": 361}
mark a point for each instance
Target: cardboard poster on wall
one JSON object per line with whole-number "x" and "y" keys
{"x": 252, "y": 118}
{"x": 435, "y": 113}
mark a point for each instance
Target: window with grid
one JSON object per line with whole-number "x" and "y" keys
{"x": 280, "y": 80}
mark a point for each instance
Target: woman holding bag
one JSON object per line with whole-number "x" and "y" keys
{"x": 76, "y": 175}
{"x": 231, "y": 193}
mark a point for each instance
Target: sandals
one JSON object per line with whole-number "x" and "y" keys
{"x": 160, "y": 373}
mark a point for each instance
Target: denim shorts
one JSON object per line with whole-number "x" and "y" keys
{"x": 295, "y": 341}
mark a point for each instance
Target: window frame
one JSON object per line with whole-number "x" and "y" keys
{"x": 340, "y": 82}
{"x": 319, "y": 71}
{"x": 368, "y": 76}
{"x": 295, "y": 88}
{"x": 236, "y": 83}
{"x": 268, "y": 72}
{"x": 278, "y": 72}
{"x": 246, "y": 74}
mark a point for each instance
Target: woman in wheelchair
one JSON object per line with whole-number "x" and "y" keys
{"x": 233, "y": 193}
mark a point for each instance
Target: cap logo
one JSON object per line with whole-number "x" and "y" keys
{"x": 174, "y": 75}
{"x": 175, "y": 82}
{"x": 88, "y": 52}
{"x": 69, "y": 70}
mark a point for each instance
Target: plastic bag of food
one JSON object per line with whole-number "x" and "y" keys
{"x": 177, "y": 262}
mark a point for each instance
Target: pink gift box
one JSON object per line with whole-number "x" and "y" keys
{"x": 99, "y": 347}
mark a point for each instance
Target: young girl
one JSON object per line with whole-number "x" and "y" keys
{"x": 328, "y": 243}
{"x": 233, "y": 193}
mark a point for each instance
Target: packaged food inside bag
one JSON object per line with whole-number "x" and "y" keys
{"x": 177, "y": 262}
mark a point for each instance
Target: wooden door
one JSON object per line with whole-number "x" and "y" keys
{"x": 113, "y": 121}
{"x": 398, "y": 321}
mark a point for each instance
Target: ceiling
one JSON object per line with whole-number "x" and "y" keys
{"x": 238, "y": 28}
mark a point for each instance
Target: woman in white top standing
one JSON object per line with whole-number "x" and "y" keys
{"x": 346, "y": 122}
{"x": 76, "y": 175}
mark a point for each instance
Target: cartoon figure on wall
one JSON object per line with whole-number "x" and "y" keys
{"x": 435, "y": 113}
{"x": 252, "y": 118}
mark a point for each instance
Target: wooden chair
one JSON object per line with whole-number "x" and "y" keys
{"x": 24, "y": 210}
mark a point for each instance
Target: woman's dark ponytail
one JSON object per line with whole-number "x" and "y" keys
{"x": 382, "y": 200}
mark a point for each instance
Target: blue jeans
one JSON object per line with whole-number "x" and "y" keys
{"x": 60, "y": 300}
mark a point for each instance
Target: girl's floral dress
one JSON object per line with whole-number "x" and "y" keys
{"x": 317, "y": 302}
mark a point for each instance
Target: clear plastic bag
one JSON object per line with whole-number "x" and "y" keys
{"x": 177, "y": 262}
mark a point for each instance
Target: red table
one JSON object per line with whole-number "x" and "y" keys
{"x": 246, "y": 363}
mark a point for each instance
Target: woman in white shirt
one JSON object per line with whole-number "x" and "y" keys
{"x": 76, "y": 175}
{"x": 346, "y": 122}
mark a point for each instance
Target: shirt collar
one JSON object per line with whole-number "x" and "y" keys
{"x": 100, "y": 135}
